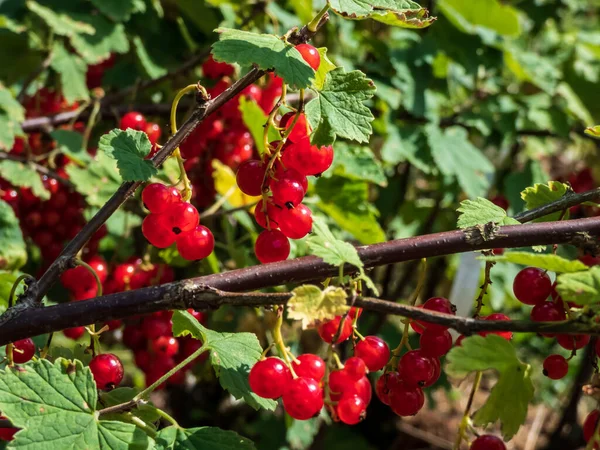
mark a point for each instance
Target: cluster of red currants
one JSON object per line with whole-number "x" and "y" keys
{"x": 589, "y": 427}
{"x": 171, "y": 220}
{"x": 532, "y": 286}
{"x": 137, "y": 121}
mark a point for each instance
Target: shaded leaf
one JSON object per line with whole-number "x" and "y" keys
{"x": 205, "y": 438}
{"x": 546, "y": 261}
{"x": 582, "y": 288}
{"x": 310, "y": 305}
{"x": 72, "y": 70}
{"x": 13, "y": 254}
{"x": 21, "y": 175}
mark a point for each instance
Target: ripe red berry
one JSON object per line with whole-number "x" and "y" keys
{"x": 573, "y": 341}
{"x": 355, "y": 368}
{"x": 437, "y": 371}
{"x": 487, "y": 442}
{"x": 303, "y": 398}
{"x": 309, "y": 366}
{"x": 351, "y": 409}
{"x": 153, "y": 131}
{"x": 107, "y": 370}
{"x": 295, "y": 222}
{"x": 155, "y": 231}
{"x": 374, "y": 352}
{"x": 23, "y": 350}
{"x": 7, "y": 434}
{"x": 435, "y": 343}
{"x": 328, "y": 330}
{"x": 301, "y": 128}
{"x": 310, "y": 54}
{"x": 532, "y": 286}
{"x": 271, "y": 246}
{"x": 415, "y": 368}
{"x": 589, "y": 426}
{"x": 250, "y": 177}
{"x": 406, "y": 400}
{"x": 133, "y": 337}
{"x": 547, "y": 312}
{"x": 74, "y": 333}
{"x": 355, "y": 312}
{"x": 287, "y": 191}
{"x": 134, "y": 120}
{"x": 157, "y": 197}
{"x": 385, "y": 383}
{"x": 438, "y": 304}
{"x": 269, "y": 378}
{"x": 273, "y": 212}
{"x": 155, "y": 327}
{"x": 180, "y": 217}
{"x": 503, "y": 334}
{"x": 307, "y": 159}
{"x": 165, "y": 346}
{"x": 555, "y": 367}
{"x": 196, "y": 244}
{"x": 213, "y": 69}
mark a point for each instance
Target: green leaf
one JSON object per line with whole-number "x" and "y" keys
{"x": 407, "y": 143}
{"x": 311, "y": 305}
{"x": 325, "y": 67}
{"x": 55, "y": 406}
{"x": 326, "y": 246}
{"x": 232, "y": 355}
{"x": 510, "y": 397}
{"x": 593, "y": 131}
{"x": 71, "y": 144}
{"x": 582, "y": 288}
{"x": 152, "y": 68}
{"x": 533, "y": 68}
{"x": 455, "y": 156}
{"x": 338, "y": 110}
{"x": 205, "y": 438}
{"x": 574, "y": 104}
{"x": 542, "y": 194}
{"x": 98, "y": 181}
{"x": 356, "y": 162}
{"x": 109, "y": 38}
{"x": 61, "y": 24}
{"x": 399, "y": 13}
{"x": 11, "y": 116}
{"x": 147, "y": 412}
{"x": 7, "y": 281}
{"x": 22, "y": 175}
{"x": 129, "y": 148}
{"x": 546, "y": 261}
{"x": 255, "y": 119}
{"x": 72, "y": 70}
{"x": 481, "y": 211}
{"x": 347, "y": 203}
{"x": 482, "y": 16}
{"x": 117, "y": 10}
{"x": 13, "y": 254}
{"x": 267, "y": 51}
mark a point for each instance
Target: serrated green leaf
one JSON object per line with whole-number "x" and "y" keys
{"x": 255, "y": 119}
{"x": 109, "y": 38}
{"x": 13, "y": 254}
{"x": 574, "y": 103}
{"x": 152, "y": 68}
{"x": 399, "y": 13}
{"x": 533, "y": 68}
{"x": 407, "y": 143}
{"x": 455, "y": 156}
{"x": 482, "y": 17}
{"x": 61, "y": 24}
{"x": 98, "y": 181}
{"x": 311, "y": 305}
{"x": 71, "y": 144}
{"x": 232, "y": 355}
{"x": 338, "y": 110}
{"x": 117, "y": 10}
{"x": 205, "y": 438}
{"x": 511, "y": 395}
{"x": 21, "y": 175}
{"x": 546, "y": 261}
{"x": 12, "y": 114}
{"x": 129, "y": 148}
{"x": 267, "y": 51}
{"x": 356, "y": 162}
{"x": 582, "y": 288}
{"x": 325, "y": 67}
{"x": 481, "y": 211}
{"x": 72, "y": 70}
{"x": 593, "y": 131}
{"x": 347, "y": 203}
{"x": 542, "y": 194}
{"x": 54, "y": 404}
{"x": 326, "y": 246}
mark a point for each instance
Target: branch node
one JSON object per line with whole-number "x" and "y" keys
{"x": 479, "y": 234}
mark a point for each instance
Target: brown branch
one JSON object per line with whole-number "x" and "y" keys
{"x": 565, "y": 202}
{"x": 208, "y": 292}
{"x": 37, "y": 167}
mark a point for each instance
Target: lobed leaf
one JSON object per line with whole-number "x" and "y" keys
{"x": 72, "y": 70}
{"x": 582, "y": 288}
{"x": 311, "y": 305}
{"x": 129, "y": 148}
{"x": 21, "y": 175}
{"x": 542, "y": 194}
{"x": 399, "y": 13}
{"x": 546, "y": 261}
{"x": 481, "y": 211}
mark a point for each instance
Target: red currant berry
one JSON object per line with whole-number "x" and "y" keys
{"x": 415, "y": 368}
{"x": 355, "y": 367}
{"x": 438, "y": 304}
{"x": 213, "y": 69}
{"x": 155, "y": 231}
{"x": 134, "y": 120}
{"x": 501, "y": 201}
{"x": 374, "y": 352}
{"x": 307, "y": 159}
{"x": 74, "y": 333}
{"x": 157, "y": 197}
{"x": 487, "y": 442}
{"x": 355, "y": 312}
{"x": 532, "y": 286}
{"x": 351, "y": 409}
{"x": 107, "y": 370}
{"x": 153, "y": 131}
{"x": 437, "y": 371}
{"x": 155, "y": 327}
{"x": 503, "y": 334}
{"x": 180, "y": 217}
{"x": 269, "y": 378}
{"x": 271, "y": 246}
{"x": 589, "y": 426}
{"x": 7, "y": 434}
{"x": 435, "y": 343}
{"x": 328, "y": 330}
{"x": 196, "y": 244}
{"x": 133, "y": 337}
{"x": 301, "y": 128}
{"x": 250, "y": 177}
{"x": 310, "y": 54}
{"x": 385, "y": 383}
{"x": 303, "y": 398}
{"x": 165, "y": 346}
{"x": 287, "y": 191}
{"x": 99, "y": 265}
{"x": 406, "y": 400}
{"x": 547, "y": 312}
{"x": 295, "y": 222}
{"x": 309, "y": 366}
{"x": 23, "y": 350}
{"x": 273, "y": 212}
{"x": 573, "y": 341}
{"x": 555, "y": 367}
